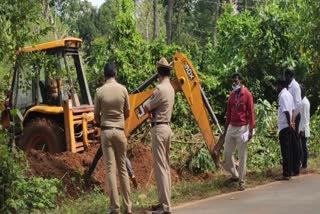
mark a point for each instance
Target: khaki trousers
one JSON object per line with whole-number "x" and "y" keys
{"x": 161, "y": 139}
{"x": 114, "y": 147}
{"x": 233, "y": 139}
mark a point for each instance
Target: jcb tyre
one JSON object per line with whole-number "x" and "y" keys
{"x": 43, "y": 134}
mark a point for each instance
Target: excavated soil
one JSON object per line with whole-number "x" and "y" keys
{"x": 69, "y": 167}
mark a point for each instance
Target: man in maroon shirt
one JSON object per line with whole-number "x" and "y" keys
{"x": 238, "y": 129}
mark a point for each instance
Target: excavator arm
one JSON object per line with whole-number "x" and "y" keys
{"x": 187, "y": 82}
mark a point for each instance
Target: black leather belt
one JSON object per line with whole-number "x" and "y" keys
{"x": 158, "y": 123}
{"x": 111, "y": 127}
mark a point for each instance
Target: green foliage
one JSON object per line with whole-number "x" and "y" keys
{"x": 144, "y": 19}
{"x": 263, "y": 149}
{"x": 314, "y": 141}
{"x": 10, "y": 171}
{"x": 128, "y": 50}
{"x": 189, "y": 152}
{"x": 266, "y": 118}
{"x": 202, "y": 162}
{"x": 76, "y": 17}
{"x": 182, "y": 118}
{"x": 20, "y": 22}
{"x": 34, "y": 193}
{"x": 261, "y": 43}
{"x": 19, "y": 193}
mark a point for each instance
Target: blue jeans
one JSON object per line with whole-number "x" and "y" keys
{"x": 129, "y": 167}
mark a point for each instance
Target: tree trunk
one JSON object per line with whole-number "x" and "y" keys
{"x": 216, "y": 17}
{"x": 169, "y": 21}
{"x": 48, "y": 16}
{"x": 147, "y": 26}
{"x": 155, "y": 19}
{"x": 234, "y": 4}
{"x": 261, "y": 2}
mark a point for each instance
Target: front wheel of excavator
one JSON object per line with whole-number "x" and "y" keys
{"x": 42, "y": 134}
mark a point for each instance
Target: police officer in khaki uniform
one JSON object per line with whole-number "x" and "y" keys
{"x": 159, "y": 107}
{"x": 111, "y": 110}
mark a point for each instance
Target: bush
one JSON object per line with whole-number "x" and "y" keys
{"x": 202, "y": 162}
{"x": 263, "y": 149}
{"x": 34, "y": 193}
{"x": 19, "y": 193}
{"x": 314, "y": 141}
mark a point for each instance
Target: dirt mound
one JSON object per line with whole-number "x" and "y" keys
{"x": 66, "y": 166}
{"x": 69, "y": 167}
{"x": 142, "y": 163}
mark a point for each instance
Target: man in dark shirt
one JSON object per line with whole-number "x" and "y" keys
{"x": 238, "y": 129}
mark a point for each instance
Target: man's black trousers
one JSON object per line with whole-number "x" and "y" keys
{"x": 286, "y": 151}
{"x": 297, "y": 147}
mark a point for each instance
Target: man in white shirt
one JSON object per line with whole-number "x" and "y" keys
{"x": 304, "y": 128}
{"x": 295, "y": 91}
{"x": 285, "y": 111}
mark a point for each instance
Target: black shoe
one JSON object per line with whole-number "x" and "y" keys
{"x": 231, "y": 180}
{"x": 234, "y": 179}
{"x": 241, "y": 187}
{"x": 159, "y": 212}
{"x": 295, "y": 174}
{"x": 155, "y": 207}
{"x": 304, "y": 170}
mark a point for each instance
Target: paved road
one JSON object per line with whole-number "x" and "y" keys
{"x": 301, "y": 195}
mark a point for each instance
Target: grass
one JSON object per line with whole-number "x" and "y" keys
{"x": 314, "y": 165}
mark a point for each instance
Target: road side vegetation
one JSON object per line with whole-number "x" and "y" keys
{"x": 18, "y": 191}
{"x": 257, "y": 39}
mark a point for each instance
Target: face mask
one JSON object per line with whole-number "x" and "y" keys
{"x": 236, "y": 87}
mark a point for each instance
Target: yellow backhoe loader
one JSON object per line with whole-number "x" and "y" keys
{"x": 49, "y": 106}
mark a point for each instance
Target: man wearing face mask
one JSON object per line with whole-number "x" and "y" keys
{"x": 240, "y": 120}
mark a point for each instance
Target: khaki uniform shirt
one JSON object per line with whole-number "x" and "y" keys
{"x": 161, "y": 102}
{"x": 111, "y": 104}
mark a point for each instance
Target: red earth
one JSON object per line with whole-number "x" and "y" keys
{"x": 69, "y": 167}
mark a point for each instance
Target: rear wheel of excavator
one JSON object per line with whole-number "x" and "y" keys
{"x": 43, "y": 134}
